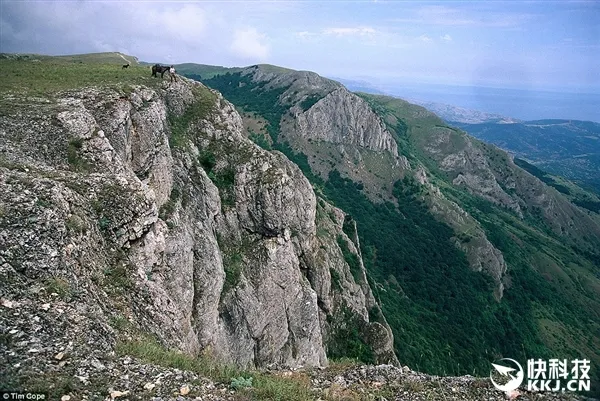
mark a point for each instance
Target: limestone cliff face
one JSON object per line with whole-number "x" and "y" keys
{"x": 342, "y": 117}
{"x": 151, "y": 206}
{"x": 490, "y": 173}
{"x": 351, "y": 129}
{"x": 470, "y": 238}
{"x": 469, "y": 166}
{"x": 298, "y": 83}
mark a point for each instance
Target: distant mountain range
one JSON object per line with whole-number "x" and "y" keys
{"x": 356, "y": 85}
{"x": 569, "y": 148}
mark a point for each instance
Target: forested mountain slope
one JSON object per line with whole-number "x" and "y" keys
{"x": 157, "y": 240}
{"x": 434, "y": 209}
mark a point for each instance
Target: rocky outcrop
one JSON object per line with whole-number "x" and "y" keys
{"x": 150, "y": 212}
{"x": 337, "y": 273}
{"x": 490, "y": 173}
{"x": 342, "y": 117}
{"x": 470, "y": 236}
{"x": 468, "y": 166}
{"x": 333, "y": 115}
{"x": 297, "y": 83}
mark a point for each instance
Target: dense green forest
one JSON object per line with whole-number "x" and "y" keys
{"x": 542, "y": 175}
{"x": 444, "y": 317}
{"x": 442, "y": 313}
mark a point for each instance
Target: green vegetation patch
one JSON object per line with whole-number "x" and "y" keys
{"x": 336, "y": 279}
{"x": 167, "y": 209}
{"x": 59, "y": 286}
{"x": 76, "y": 161}
{"x": 47, "y": 75}
{"x": 203, "y": 104}
{"x": 542, "y": 175}
{"x": 232, "y": 264}
{"x": 260, "y": 140}
{"x": 224, "y": 179}
{"x": 351, "y": 259}
{"x": 588, "y": 204}
{"x": 207, "y": 160}
{"x": 117, "y": 277}
{"x": 433, "y": 325}
{"x": 251, "y": 384}
{"x": 346, "y": 340}
{"x": 200, "y": 72}
{"x": 253, "y": 97}
{"x": 310, "y": 101}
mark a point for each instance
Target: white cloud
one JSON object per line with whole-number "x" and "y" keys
{"x": 305, "y": 34}
{"x": 250, "y": 44}
{"x": 425, "y": 38}
{"x": 361, "y": 31}
{"x": 450, "y": 16}
{"x": 188, "y": 22}
{"x": 446, "y": 38}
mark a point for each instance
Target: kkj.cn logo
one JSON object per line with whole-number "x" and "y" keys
{"x": 551, "y": 375}
{"x": 514, "y": 374}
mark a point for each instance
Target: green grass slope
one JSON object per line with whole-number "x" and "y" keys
{"x": 89, "y": 58}
{"x": 35, "y": 74}
{"x": 203, "y": 71}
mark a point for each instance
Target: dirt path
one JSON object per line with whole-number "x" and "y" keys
{"x": 123, "y": 57}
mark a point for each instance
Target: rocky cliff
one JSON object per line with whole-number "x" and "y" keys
{"x": 342, "y": 117}
{"x": 434, "y": 207}
{"x": 144, "y": 210}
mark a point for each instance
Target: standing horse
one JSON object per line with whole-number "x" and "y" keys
{"x": 157, "y": 68}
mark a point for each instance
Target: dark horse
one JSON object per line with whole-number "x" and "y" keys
{"x": 157, "y": 68}
{"x": 125, "y": 66}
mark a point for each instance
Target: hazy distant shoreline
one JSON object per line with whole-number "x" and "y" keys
{"x": 523, "y": 104}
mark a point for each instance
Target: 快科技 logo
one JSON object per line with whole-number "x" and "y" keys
{"x": 551, "y": 375}
{"x": 509, "y": 374}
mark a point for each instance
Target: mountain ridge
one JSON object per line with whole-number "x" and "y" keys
{"x": 473, "y": 188}
{"x": 568, "y": 148}
{"x": 151, "y": 213}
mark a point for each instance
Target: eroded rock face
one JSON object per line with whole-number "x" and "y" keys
{"x": 343, "y": 117}
{"x": 196, "y": 235}
{"x": 480, "y": 252}
{"x": 469, "y": 167}
{"x": 490, "y": 173}
{"x": 344, "y": 295}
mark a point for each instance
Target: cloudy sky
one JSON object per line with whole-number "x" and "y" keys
{"x": 539, "y": 44}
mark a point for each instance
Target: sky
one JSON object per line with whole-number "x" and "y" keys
{"x": 543, "y": 45}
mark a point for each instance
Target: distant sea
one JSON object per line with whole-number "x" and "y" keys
{"x": 517, "y": 103}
